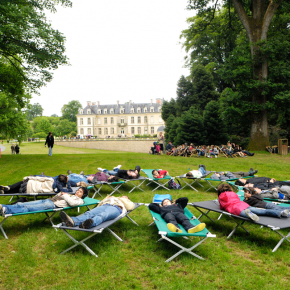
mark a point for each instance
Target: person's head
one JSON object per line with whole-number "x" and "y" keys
{"x": 223, "y": 188}
{"x": 83, "y": 184}
{"x": 133, "y": 174}
{"x": 63, "y": 178}
{"x": 241, "y": 182}
{"x": 155, "y": 173}
{"x": 211, "y": 146}
{"x": 113, "y": 178}
{"x": 248, "y": 191}
{"x": 49, "y": 133}
{"x": 188, "y": 175}
{"x": 166, "y": 202}
{"x": 249, "y": 185}
{"x": 82, "y": 192}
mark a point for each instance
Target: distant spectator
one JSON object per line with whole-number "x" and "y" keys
{"x": 169, "y": 146}
{"x": 13, "y": 149}
{"x": 49, "y": 141}
{"x": 17, "y": 149}
{"x": 161, "y": 141}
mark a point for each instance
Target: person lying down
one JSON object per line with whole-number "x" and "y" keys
{"x": 173, "y": 214}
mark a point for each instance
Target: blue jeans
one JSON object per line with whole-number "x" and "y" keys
{"x": 98, "y": 215}
{"x": 270, "y": 210}
{"x": 201, "y": 170}
{"x": 77, "y": 178}
{"x": 112, "y": 172}
{"x": 49, "y": 151}
{"x": 200, "y": 153}
{"x": 211, "y": 153}
{"x": 37, "y": 205}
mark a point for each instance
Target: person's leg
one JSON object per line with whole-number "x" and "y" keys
{"x": 38, "y": 205}
{"x": 172, "y": 223}
{"x": 11, "y": 209}
{"x": 239, "y": 174}
{"x": 98, "y": 215}
{"x": 13, "y": 188}
{"x": 77, "y": 177}
{"x": 202, "y": 170}
{"x": 183, "y": 220}
{"x": 49, "y": 151}
{"x": 265, "y": 212}
{"x": 279, "y": 209}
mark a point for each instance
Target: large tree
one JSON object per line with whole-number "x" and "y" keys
{"x": 35, "y": 110}
{"x": 256, "y": 17}
{"x": 70, "y": 110}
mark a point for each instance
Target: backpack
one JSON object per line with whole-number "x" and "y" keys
{"x": 172, "y": 184}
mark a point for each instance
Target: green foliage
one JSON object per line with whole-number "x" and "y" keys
{"x": 40, "y": 135}
{"x": 168, "y": 108}
{"x": 44, "y": 126}
{"x": 64, "y": 128}
{"x": 70, "y": 110}
{"x": 34, "y": 111}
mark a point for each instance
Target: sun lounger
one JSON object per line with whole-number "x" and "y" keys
{"x": 158, "y": 198}
{"x": 113, "y": 185}
{"x": 275, "y": 224}
{"x": 134, "y": 184}
{"x": 166, "y": 234}
{"x": 49, "y": 212}
{"x": 190, "y": 181}
{"x": 157, "y": 181}
{"x": 93, "y": 231}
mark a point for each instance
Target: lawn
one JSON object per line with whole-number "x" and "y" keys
{"x": 30, "y": 257}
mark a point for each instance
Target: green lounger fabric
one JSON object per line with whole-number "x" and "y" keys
{"x": 162, "y": 225}
{"x": 88, "y": 201}
{"x": 148, "y": 172}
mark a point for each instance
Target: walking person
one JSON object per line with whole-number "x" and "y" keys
{"x": 13, "y": 149}
{"x": 49, "y": 141}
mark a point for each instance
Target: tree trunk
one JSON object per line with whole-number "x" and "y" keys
{"x": 256, "y": 27}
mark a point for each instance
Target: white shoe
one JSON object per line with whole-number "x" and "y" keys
{"x": 100, "y": 169}
{"x": 215, "y": 156}
{"x": 208, "y": 156}
{"x": 119, "y": 166}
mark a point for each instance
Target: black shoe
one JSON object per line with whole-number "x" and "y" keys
{"x": 87, "y": 224}
{"x": 199, "y": 165}
{"x": 68, "y": 172}
{"x": 66, "y": 219}
{"x": 253, "y": 154}
{"x": 204, "y": 167}
{"x": 251, "y": 169}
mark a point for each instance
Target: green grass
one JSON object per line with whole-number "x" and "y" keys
{"x": 30, "y": 257}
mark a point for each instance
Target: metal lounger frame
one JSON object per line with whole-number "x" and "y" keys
{"x": 96, "y": 230}
{"x": 194, "y": 180}
{"x": 136, "y": 186}
{"x": 241, "y": 220}
{"x": 158, "y": 183}
{"x": 101, "y": 183}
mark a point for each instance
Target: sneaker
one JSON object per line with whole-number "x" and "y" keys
{"x": 68, "y": 172}
{"x": 138, "y": 168}
{"x": 66, "y": 219}
{"x": 215, "y": 156}
{"x": 1, "y": 191}
{"x": 42, "y": 174}
{"x": 82, "y": 173}
{"x": 3, "y": 210}
{"x": 196, "y": 229}
{"x": 251, "y": 215}
{"x": 119, "y": 166}
{"x": 100, "y": 169}
{"x": 285, "y": 213}
{"x": 204, "y": 167}
{"x": 87, "y": 224}
{"x": 174, "y": 228}
{"x": 208, "y": 156}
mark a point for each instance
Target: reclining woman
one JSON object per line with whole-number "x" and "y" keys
{"x": 108, "y": 209}
{"x": 159, "y": 173}
{"x": 173, "y": 214}
{"x": 232, "y": 175}
{"x": 230, "y": 202}
{"x": 62, "y": 199}
{"x": 124, "y": 174}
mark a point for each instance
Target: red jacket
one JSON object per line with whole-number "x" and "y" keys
{"x": 162, "y": 173}
{"x": 230, "y": 202}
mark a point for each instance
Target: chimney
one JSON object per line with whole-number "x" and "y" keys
{"x": 93, "y": 103}
{"x": 118, "y": 103}
{"x": 159, "y": 101}
{"x": 130, "y": 102}
{"x": 89, "y": 103}
{"x": 98, "y": 103}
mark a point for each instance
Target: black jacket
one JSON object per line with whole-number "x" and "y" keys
{"x": 256, "y": 180}
{"x": 178, "y": 207}
{"x": 49, "y": 141}
{"x": 256, "y": 200}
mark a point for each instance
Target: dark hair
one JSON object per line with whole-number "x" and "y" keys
{"x": 165, "y": 199}
{"x": 154, "y": 170}
{"x": 188, "y": 175}
{"x": 85, "y": 192}
{"x": 49, "y": 133}
{"x": 114, "y": 178}
{"x": 62, "y": 178}
{"x": 251, "y": 190}
{"x": 239, "y": 183}
{"x": 224, "y": 187}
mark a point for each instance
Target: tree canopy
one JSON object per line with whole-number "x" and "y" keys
{"x": 70, "y": 110}
{"x": 34, "y": 111}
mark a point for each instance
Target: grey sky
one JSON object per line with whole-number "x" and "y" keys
{"x": 118, "y": 50}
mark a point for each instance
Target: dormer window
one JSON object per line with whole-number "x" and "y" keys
{"x": 132, "y": 110}
{"x": 138, "y": 110}
{"x": 112, "y": 111}
{"x": 145, "y": 110}
{"x": 105, "y": 111}
{"x": 151, "y": 110}
{"x": 89, "y": 112}
{"x": 99, "y": 111}
{"x": 81, "y": 112}
{"x": 122, "y": 111}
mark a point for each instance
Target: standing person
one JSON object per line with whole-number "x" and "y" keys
{"x": 161, "y": 141}
{"x": 17, "y": 148}
{"x": 49, "y": 141}
{"x": 12, "y": 149}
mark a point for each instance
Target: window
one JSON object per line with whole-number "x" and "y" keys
{"x": 159, "y": 109}
{"x": 132, "y": 130}
{"x": 112, "y": 130}
{"x": 122, "y": 120}
{"x": 132, "y": 110}
{"x": 99, "y": 111}
{"x": 151, "y": 110}
{"x": 100, "y": 131}
{"x": 82, "y": 131}
{"x": 145, "y": 130}
{"x": 139, "y": 130}
{"x": 105, "y": 120}
{"x": 89, "y": 130}
{"x": 105, "y": 111}
{"x": 106, "y": 131}
{"x": 132, "y": 120}
{"x": 81, "y": 121}
{"x": 152, "y": 130}
{"x": 145, "y": 119}
{"x": 89, "y": 121}
{"x": 139, "y": 120}
{"x": 89, "y": 112}
{"x": 122, "y": 131}
{"x": 160, "y": 119}
{"x": 152, "y": 119}
{"x": 99, "y": 121}
{"x": 139, "y": 110}
{"x": 145, "y": 110}
{"x": 112, "y": 120}
{"x": 112, "y": 111}
{"x": 122, "y": 110}
{"x": 81, "y": 112}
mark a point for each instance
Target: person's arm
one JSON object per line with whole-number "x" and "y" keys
{"x": 68, "y": 187}
{"x": 182, "y": 201}
{"x": 154, "y": 207}
{"x": 45, "y": 141}
{"x": 72, "y": 183}
{"x": 72, "y": 200}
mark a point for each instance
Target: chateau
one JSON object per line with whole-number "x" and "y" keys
{"x": 120, "y": 119}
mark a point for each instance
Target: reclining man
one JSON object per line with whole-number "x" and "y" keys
{"x": 263, "y": 183}
{"x": 109, "y": 208}
{"x": 62, "y": 199}
{"x": 124, "y": 174}
{"x": 232, "y": 175}
{"x": 275, "y": 193}
{"x": 173, "y": 213}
